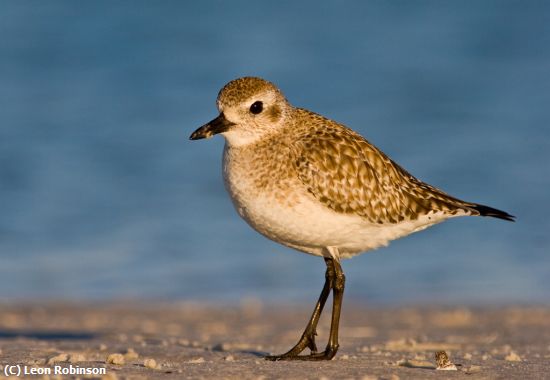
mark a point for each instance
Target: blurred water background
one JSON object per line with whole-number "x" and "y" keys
{"x": 103, "y": 196}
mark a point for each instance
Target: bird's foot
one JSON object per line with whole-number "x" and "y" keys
{"x": 306, "y": 341}
{"x": 328, "y": 354}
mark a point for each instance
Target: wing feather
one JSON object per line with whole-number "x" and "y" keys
{"x": 349, "y": 175}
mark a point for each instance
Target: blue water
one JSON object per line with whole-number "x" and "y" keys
{"x": 103, "y": 196}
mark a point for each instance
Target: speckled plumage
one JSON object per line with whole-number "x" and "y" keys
{"x": 349, "y": 175}
{"x": 315, "y": 185}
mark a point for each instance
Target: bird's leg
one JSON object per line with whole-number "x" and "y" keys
{"x": 308, "y": 337}
{"x": 338, "y": 281}
{"x": 338, "y": 295}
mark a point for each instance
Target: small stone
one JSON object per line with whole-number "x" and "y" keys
{"x": 197, "y": 360}
{"x": 131, "y": 354}
{"x": 102, "y": 347}
{"x": 486, "y": 357}
{"x": 448, "y": 367}
{"x": 116, "y": 359}
{"x": 344, "y": 357}
{"x": 57, "y": 359}
{"x": 229, "y": 358}
{"x": 150, "y": 363}
{"x": 512, "y": 357}
{"x": 467, "y": 356}
{"x": 443, "y": 362}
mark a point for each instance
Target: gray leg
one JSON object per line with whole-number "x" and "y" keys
{"x": 335, "y": 281}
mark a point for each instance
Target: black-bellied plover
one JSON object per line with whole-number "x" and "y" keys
{"x": 312, "y": 184}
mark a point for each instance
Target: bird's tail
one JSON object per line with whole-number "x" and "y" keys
{"x": 489, "y": 211}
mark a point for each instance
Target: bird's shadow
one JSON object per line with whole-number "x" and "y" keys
{"x": 259, "y": 354}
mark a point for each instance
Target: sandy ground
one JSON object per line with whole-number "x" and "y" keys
{"x": 187, "y": 340}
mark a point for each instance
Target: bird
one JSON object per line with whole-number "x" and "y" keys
{"x": 317, "y": 186}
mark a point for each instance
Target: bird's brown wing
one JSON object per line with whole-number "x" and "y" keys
{"x": 349, "y": 175}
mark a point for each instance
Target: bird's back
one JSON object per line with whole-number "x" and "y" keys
{"x": 348, "y": 174}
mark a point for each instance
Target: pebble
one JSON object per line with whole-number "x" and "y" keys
{"x": 150, "y": 363}
{"x": 131, "y": 354}
{"x": 116, "y": 359}
{"x": 57, "y": 358}
{"x": 512, "y": 357}
{"x": 443, "y": 362}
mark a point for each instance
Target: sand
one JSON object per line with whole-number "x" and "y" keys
{"x": 190, "y": 340}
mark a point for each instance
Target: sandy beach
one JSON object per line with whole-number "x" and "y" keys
{"x": 190, "y": 340}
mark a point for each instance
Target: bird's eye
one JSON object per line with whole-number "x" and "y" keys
{"x": 256, "y": 107}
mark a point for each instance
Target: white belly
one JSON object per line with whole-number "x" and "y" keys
{"x": 288, "y": 214}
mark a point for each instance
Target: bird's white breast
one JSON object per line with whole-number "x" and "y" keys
{"x": 276, "y": 204}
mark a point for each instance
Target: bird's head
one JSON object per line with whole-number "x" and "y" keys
{"x": 250, "y": 109}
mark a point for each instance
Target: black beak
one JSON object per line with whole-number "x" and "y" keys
{"x": 218, "y": 125}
